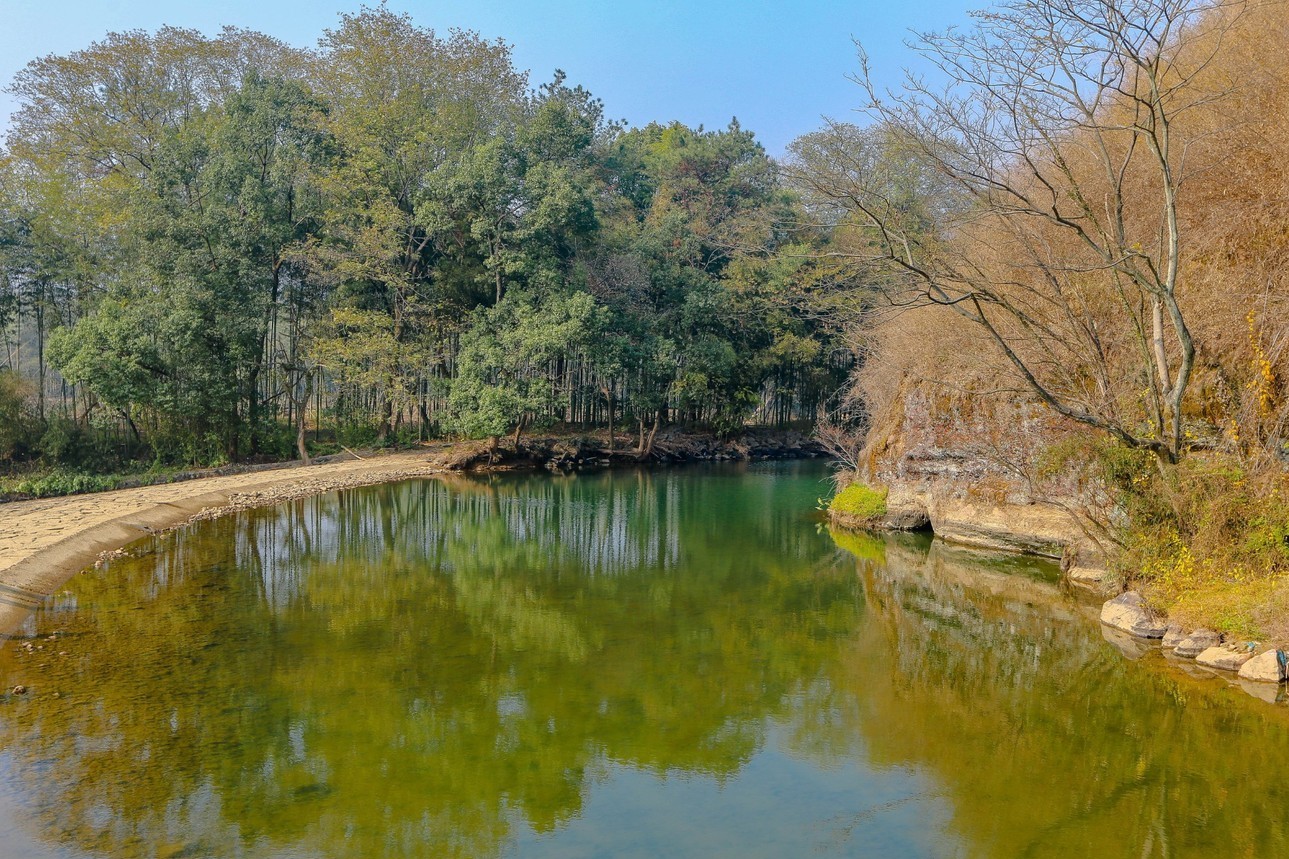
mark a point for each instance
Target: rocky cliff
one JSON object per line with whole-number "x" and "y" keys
{"x": 972, "y": 468}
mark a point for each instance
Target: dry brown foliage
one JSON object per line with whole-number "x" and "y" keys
{"x": 1086, "y": 338}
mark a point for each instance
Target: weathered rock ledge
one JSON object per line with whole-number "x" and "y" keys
{"x": 1034, "y": 527}
{"x": 1051, "y": 530}
{"x": 966, "y": 466}
{"x": 971, "y": 468}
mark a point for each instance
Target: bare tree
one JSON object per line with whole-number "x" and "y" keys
{"x": 1059, "y": 150}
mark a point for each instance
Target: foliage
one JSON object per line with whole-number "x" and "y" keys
{"x": 17, "y": 424}
{"x": 1038, "y": 199}
{"x": 503, "y": 376}
{"x": 63, "y": 482}
{"x": 257, "y": 241}
{"x": 1206, "y": 540}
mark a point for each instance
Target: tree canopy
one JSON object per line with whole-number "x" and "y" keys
{"x": 213, "y": 245}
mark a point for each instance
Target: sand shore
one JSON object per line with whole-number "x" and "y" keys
{"x": 45, "y": 541}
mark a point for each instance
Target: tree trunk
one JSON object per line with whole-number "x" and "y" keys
{"x": 134, "y": 429}
{"x": 301, "y": 407}
{"x": 610, "y": 399}
{"x": 519, "y": 428}
{"x": 386, "y": 419}
{"x": 646, "y": 446}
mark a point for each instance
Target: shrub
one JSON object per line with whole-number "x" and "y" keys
{"x": 860, "y": 501}
{"x": 65, "y": 483}
{"x": 62, "y": 442}
{"x": 1206, "y": 540}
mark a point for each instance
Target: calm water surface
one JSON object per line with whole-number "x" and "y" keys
{"x": 671, "y": 663}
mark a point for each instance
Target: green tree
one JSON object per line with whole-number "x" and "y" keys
{"x": 504, "y": 376}
{"x": 402, "y": 102}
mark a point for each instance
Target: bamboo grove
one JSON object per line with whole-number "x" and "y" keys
{"x": 224, "y": 248}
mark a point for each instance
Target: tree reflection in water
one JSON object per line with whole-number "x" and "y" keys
{"x": 458, "y": 668}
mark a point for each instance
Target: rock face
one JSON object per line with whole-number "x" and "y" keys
{"x": 1128, "y": 612}
{"x": 1035, "y": 529}
{"x": 961, "y": 464}
{"x": 1263, "y": 668}
{"x": 905, "y": 512}
{"x": 1196, "y": 643}
{"x": 1221, "y": 657}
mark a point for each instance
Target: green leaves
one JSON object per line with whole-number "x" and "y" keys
{"x": 229, "y": 232}
{"x": 506, "y": 370}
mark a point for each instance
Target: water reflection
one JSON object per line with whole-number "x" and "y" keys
{"x": 1048, "y": 740}
{"x": 668, "y": 663}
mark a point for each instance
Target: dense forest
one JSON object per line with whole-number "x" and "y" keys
{"x": 222, "y": 249}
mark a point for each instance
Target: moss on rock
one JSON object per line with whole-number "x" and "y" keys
{"x": 859, "y": 501}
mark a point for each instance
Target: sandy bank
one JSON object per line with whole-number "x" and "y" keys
{"x": 45, "y": 541}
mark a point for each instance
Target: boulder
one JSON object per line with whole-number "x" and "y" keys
{"x": 1196, "y": 643}
{"x": 1130, "y": 613}
{"x": 1263, "y": 668}
{"x": 1222, "y": 658}
{"x": 1174, "y": 636}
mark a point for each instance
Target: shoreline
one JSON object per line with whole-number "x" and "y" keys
{"x": 1123, "y": 618}
{"x": 46, "y": 541}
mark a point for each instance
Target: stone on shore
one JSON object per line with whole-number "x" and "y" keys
{"x": 1196, "y": 643}
{"x": 1174, "y": 636}
{"x": 1264, "y": 668}
{"x": 1221, "y": 657}
{"x": 1130, "y": 613}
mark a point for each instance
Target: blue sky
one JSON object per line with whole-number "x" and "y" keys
{"x": 778, "y": 67}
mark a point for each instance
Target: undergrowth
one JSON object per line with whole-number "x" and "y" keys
{"x": 1205, "y": 540}
{"x": 58, "y": 482}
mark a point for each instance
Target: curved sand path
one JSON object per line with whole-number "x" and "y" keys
{"x": 45, "y": 541}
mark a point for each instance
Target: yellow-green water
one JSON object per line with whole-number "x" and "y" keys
{"x": 628, "y": 664}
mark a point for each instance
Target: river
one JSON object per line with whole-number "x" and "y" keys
{"x": 675, "y": 663}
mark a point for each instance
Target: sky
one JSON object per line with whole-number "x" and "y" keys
{"x": 779, "y": 67}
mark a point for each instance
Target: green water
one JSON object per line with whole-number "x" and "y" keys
{"x": 669, "y": 663}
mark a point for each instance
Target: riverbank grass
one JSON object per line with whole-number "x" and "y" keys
{"x": 860, "y": 502}
{"x": 1208, "y": 543}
